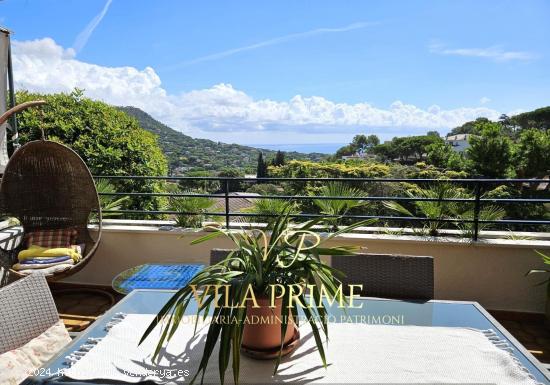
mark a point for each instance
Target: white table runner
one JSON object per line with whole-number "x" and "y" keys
{"x": 356, "y": 353}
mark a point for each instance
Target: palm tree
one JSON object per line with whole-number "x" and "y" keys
{"x": 489, "y": 213}
{"x": 195, "y": 206}
{"x": 266, "y": 206}
{"x": 429, "y": 209}
{"x": 440, "y": 208}
{"x": 338, "y": 207}
{"x": 109, "y": 202}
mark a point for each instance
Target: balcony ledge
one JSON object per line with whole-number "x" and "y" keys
{"x": 487, "y": 238}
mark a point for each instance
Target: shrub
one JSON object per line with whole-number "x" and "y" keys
{"x": 108, "y": 140}
{"x": 265, "y": 189}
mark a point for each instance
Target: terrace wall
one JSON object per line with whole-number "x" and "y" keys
{"x": 490, "y": 272}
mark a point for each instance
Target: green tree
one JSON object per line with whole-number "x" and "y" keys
{"x": 345, "y": 151}
{"x": 539, "y": 118}
{"x": 469, "y": 127}
{"x": 438, "y": 154}
{"x": 385, "y": 151}
{"x": 533, "y": 153}
{"x": 261, "y": 168}
{"x": 372, "y": 140}
{"x": 457, "y": 162}
{"x": 265, "y": 189}
{"x": 359, "y": 143}
{"x": 364, "y": 143}
{"x": 408, "y": 147}
{"x": 490, "y": 152}
{"x": 197, "y": 184}
{"x": 279, "y": 159}
{"x": 230, "y": 172}
{"x": 108, "y": 140}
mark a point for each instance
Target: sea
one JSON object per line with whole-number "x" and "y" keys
{"x": 323, "y": 148}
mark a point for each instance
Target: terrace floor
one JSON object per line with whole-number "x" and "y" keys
{"x": 79, "y": 308}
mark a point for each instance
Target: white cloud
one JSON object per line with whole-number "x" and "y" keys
{"x": 496, "y": 53}
{"x": 274, "y": 41}
{"x": 222, "y": 112}
{"x": 83, "y": 37}
{"x": 484, "y": 100}
{"x": 42, "y": 65}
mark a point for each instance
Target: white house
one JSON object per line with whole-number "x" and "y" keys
{"x": 459, "y": 142}
{"x": 357, "y": 155}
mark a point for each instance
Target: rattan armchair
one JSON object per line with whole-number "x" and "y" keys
{"x": 388, "y": 275}
{"x": 218, "y": 255}
{"x": 27, "y": 309}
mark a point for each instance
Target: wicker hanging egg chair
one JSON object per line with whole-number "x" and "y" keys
{"x": 47, "y": 186}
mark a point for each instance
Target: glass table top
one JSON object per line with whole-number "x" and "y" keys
{"x": 164, "y": 276}
{"x": 373, "y": 311}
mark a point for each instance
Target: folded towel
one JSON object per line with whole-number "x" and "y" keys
{"x": 47, "y": 270}
{"x": 37, "y": 261}
{"x": 43, "y": 252}
{"x": 79, "y": 248}
{"x": 28, "y": 266}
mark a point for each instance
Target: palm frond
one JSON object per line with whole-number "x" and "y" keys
{"x": 191, "y": 209}
{"x": 109, "y": 202}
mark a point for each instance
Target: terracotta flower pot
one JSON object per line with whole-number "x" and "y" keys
{"x": 263, "y": 330}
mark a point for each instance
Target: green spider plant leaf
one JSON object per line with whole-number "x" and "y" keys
{"x": 284, "y": 327}
{"x": 207, "y": 237}
{"x": 537, "y": 271}
{"x": 316, "y": 335}
{"x": 545, "y": 258}
{"x": 261, "y": 259}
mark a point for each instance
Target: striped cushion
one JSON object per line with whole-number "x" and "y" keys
{"x": 53, "y": 238}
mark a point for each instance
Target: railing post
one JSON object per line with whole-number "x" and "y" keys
{"x": 13, "y": 119}
{"x": 226, "y": 203}
{"x": 476, "y": 210}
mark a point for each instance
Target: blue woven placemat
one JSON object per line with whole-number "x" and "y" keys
{"x": 168, "y": 277}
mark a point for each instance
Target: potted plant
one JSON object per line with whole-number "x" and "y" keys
{"x": 281, "y": 259}
{"x": 546, "y": 260}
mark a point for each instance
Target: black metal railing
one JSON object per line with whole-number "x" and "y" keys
{"x": 477, "y": 186}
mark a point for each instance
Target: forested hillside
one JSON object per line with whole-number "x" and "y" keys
{"x": 185, "y": 153}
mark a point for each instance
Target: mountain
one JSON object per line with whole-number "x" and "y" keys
{"x": 185, "y": 153}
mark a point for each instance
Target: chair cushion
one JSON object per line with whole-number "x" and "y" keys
{"x": 18, "y": 364}
{"x": 53, "y": 238}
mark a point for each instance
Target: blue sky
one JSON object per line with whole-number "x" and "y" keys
{"x": 291, "y": 71}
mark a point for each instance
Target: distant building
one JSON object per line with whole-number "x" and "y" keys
{"x": 459, "y": 142}
{"x": 355, "y": 156}
{"x": 360, "y": 155}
